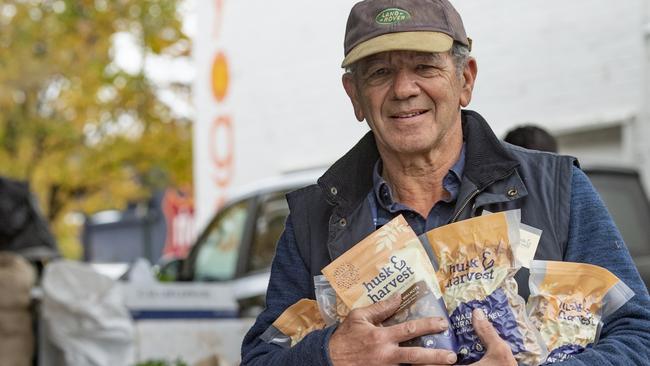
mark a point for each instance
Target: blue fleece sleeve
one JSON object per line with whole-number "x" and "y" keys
{"x": 290, "y": 281}
{"x": 594, "y": 238}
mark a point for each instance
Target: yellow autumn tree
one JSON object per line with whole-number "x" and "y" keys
{"x": 84, "y": 133}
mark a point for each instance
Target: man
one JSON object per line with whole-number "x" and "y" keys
{"x": 408, "y": 74}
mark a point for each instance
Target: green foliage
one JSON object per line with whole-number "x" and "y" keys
{"x": 87, "y": 135}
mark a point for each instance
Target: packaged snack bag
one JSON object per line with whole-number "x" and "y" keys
{"x": 342, "y": 310}
{"x": 568, "y": 301}
{"x": 524, "y": 250}
{"x": 476, "y": 269}
{"x": 392, "y": 261}
{"x": 294, "y": 324}
{"x": 326, "y": 299}
{"x": 330, "y": 304}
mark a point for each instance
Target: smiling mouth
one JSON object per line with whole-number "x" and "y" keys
{"x": 409, "y": 114}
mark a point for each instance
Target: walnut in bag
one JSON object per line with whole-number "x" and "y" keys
{"x": 391, "y": 261}
{"x": 294, "y": 324}
{"x": 476, "y": 268}
{"x": 568, "y": 302}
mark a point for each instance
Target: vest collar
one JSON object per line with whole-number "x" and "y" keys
{"x": 487, "y": 160}
{"x": 348, "y": 181}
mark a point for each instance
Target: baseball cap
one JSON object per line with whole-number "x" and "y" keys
{"x": 376, "y": 26}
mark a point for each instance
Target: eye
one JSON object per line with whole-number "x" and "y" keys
{"x": 427, "y": 70}
{"x": 378, "y": 75}
{"x": 425, "y": 67}
{"x": 383, "y": 71}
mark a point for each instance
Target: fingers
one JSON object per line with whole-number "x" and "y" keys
{"x": 484, "y": 329}
{"x": 422, "y": 356}
{"x": 415, "y": 328}
{"x": 498, "y": 350}
{"x": 378, "y": 312}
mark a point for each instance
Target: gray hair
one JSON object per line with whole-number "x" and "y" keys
{"x": 459, "y": 53}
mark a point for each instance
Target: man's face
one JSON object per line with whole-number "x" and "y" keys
{"x": 411, "y": 100}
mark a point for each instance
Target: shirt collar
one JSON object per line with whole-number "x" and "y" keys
{"x": 459, "y": 166}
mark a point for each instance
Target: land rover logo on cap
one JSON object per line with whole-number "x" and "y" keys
{"x": 392, "y": 16}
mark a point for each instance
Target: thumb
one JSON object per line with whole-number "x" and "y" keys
{"x": 380, "y": 311}
{"x": 484, "y": 329}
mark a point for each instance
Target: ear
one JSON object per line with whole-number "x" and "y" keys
{"x": 468, "y": 80}
{"x": 351, "y": 89}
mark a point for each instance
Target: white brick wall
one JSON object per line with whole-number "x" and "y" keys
{"x": 569, "y": 66}
{"x": 563, "y": 64}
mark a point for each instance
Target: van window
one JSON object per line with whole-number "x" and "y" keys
{"x": 218, "y": 252}
{"x": 272, "y": 214}
{"x": 628, "y": 205}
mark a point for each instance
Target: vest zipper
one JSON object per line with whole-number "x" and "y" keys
{"x": 477, "y": 191}
{"x": 471, "y": 196}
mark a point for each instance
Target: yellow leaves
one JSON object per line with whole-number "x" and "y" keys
{"x": 68, "y": 238}
{"x": 62, "y": 68}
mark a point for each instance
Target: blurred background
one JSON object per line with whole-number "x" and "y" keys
{"x": 170, "y": 130}
{"x": 91, "y": 117}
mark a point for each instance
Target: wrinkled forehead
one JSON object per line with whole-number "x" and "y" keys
{"x": 402, "y": 57}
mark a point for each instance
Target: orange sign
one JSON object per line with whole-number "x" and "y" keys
{"x": 221, "y": 150}
{"x": 220, "y": 137}
{"x": 220, "y": 77}
{"x": 218, "y": 4}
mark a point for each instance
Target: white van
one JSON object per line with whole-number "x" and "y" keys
{"x": 215, "y": 293}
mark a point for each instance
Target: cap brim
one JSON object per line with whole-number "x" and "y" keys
{"x": 401, "y": 41}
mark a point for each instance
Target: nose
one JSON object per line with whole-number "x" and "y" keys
{"x": 405, "y": 85}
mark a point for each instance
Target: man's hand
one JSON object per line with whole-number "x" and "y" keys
{"x": 360, "y": 340}
{"x": 498, "y": 351}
